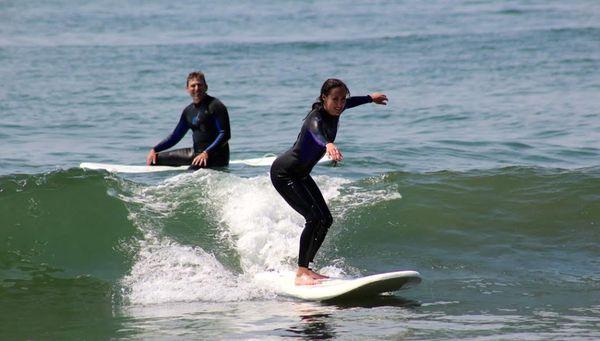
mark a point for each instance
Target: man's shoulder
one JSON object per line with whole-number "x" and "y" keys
{"x": 215, "y": 104}
{"x": 213, "y": 100}
{"x": 188, "y": 107}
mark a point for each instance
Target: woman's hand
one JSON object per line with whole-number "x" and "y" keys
{"x": 201, "y": 160}
{"x": 333, "y": 152}
{"x": 379, "y": 98}
{"x": 151, "y": 158}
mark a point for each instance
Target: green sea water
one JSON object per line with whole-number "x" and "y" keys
{"x": 84, "y": 252}
{"x": 481, "y": 173}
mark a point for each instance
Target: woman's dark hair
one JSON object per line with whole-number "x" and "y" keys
{"x": 329, "y": 85}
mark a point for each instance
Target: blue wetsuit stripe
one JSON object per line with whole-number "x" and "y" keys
{"x": 315, "y": 128}
{"x": 318, "y": 138}
{"x": 219, "y": 137}
{"x": 176, "y": 136}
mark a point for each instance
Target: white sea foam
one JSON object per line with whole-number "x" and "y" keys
{"x": 165, "y": 271}
{"x": 250, "y": 216}
{"x": 263, "y": 227}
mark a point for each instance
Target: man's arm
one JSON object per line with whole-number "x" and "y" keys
{"x": 171, "y": 140}
{"x": 220, "y": 116}
{"x": 178, "y": 133}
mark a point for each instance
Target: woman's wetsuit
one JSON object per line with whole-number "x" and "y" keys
{"x": 209, "y": 122}
{"x": 290, "y": 174}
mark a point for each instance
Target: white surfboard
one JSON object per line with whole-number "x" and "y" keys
{"x": 338, "y": 289}
{"x": 130, "y": 169}
{"x": 256, "y": 162}
{"x": 267, "y": 160}
{"x": 113, "y": 168}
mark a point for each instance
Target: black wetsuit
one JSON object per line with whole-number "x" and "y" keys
{"x": 290, "y": 174}
{"x": 209, "y": 122}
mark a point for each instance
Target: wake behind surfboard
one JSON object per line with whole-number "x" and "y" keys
{"x": 340, "y": 289}
{"x": 114, "y": 168}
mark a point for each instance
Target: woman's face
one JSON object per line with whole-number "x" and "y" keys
{"x": 335, "y": 101}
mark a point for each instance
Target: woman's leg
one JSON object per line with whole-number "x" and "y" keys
{"x": 299, "y": 198}
{"x": 325, "y": 218}
{"x": 304, "y": 197}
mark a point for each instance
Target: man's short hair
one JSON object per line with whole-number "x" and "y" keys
{"x": 199, "y": 75}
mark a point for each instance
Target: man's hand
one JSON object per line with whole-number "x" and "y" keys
{"x": 201, "y": 160}
{"x": 379, "y": 98}
{"x": 151, "y": 158}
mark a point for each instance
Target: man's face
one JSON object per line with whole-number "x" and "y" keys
{"x": 197, "y": 89}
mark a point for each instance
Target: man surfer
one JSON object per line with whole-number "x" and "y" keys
{"x": 208, "y": 119}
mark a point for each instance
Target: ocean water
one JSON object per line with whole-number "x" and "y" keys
{"x": 481, "y": 173}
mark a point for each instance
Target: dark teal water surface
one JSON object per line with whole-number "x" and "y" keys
{"x": 481, "y": 173}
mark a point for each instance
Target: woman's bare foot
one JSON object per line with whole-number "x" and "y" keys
{"x": 304, "y": 276}
{"x": 306, "y": 280}
{"x": 316, "y": 275}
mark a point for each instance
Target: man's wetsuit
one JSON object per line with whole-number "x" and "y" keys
{"x": 209, "y": 122}
{"x": 290, "y": 174}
